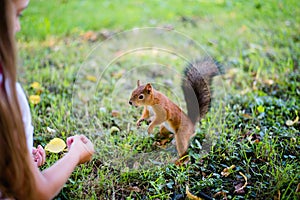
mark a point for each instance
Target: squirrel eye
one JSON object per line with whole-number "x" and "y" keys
{"x": 141, "y": 96}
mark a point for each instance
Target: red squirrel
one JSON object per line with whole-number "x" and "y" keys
{"x": 197, "y": 93}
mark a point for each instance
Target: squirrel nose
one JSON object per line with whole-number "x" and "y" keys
{"x": 130, "y": 102}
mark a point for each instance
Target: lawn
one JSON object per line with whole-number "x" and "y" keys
{"x": 86, "y": 57}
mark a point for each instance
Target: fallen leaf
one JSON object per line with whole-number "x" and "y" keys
{"x": 221, "y": 193}
{"x": 35, "y": 85}
{"x": 51, "y": 42}
{"x": 256, "y": 141}
{"x": 247, "y": 116}
{"x": 115, "y": 113}
{"x": 298, "y": 188}
{"x": 136, "y": 165}
{"x": 34, "y": 99}
{"x": 118, "y": 74}
{"x": 227, "y": 171}
{"x": 91, "y": 78}
{"x": 56, "y": 145}
{"x": 105, "y": 34}
{"x": 114, "y": 129}
{"x": 239, "y": 189}
{"x": 50, "y": 130}
{"x": 90, "y": 35}
{"x": 290, "y": 122}
{"x": 269, "y": 81}
{"x": 134, "y": 189}
{"x": 278, "y": 195}
{"x": 190, "y": 195}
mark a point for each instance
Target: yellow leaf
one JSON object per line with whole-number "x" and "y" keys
{"x": 190, "y": 195}
{"x": 291, "y": 123}
{"x": 114, "y": 129}
{"x": 34, "y": 99}
{"x": 118, "y": 74}
{"x": 35, "y": 85}
{"x": 91, "y": 78}
{"x": 56, "y": 145}
{"x": 296, "y": 120}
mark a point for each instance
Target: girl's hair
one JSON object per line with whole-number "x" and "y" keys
{"x": 17, "y": 180}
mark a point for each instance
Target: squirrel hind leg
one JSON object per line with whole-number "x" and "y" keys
{"x": 164, "y": 132}
{"x": 182, "y": 143}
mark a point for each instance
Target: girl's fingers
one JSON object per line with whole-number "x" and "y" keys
{"x": 84, "y": 139}
{"x": 39, "y": 155}
{"x": 70, "y": 140}
{"x": 37, "y": 159}
{"x": 42, "y": 154}
{"x": 34, "y": 150}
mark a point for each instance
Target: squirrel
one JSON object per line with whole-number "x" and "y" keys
{"x": 196, "y": 84}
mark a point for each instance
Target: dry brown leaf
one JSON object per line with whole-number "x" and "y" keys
{"x": 50, "y": 130}
{"x": 247, "y": 116}
{"x": 298, "y": 188}
{"x": 115, "y": 113}
{"x": 134, "y": 189}
{"x": 190, "y": 195}
{"x": 90, "y": 35}
{"x": 221, "y": 193}
{"x": 278, "y": 195}
{"x": 269, "y": 81}
{"x": 227, "y": 171}
{"x": 136, "y": 165}
{"x": 239, "y": 189}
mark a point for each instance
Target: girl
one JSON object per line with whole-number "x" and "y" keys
{"x": 19, "y": 174}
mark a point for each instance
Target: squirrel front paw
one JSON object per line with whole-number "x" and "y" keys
{"x": 138, "y": 124}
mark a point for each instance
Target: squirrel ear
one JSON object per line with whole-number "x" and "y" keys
{"x": 138, "y": 83}
{"x": 148, "y": 88}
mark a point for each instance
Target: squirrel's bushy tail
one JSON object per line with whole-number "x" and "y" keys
{"x": 196, "y": 87}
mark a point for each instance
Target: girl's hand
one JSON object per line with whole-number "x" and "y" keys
{"x": 39, "y": 155}
{"x": 80, "y": 145}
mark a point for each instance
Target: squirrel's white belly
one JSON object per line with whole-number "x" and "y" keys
{"x": 166, "y": 124}
{"x": 152, "y": 113}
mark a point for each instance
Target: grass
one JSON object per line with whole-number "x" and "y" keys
{"x": 87, "y": 67}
